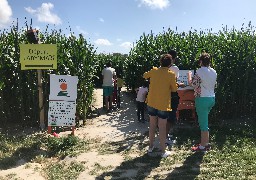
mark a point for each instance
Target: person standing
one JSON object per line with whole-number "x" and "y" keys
{"x": 141, "y": 98}
{"x": 108, "y": 74}
{"x": 171, "y": 120}
{"x": 204, "y": 82}
{"x": 162, "y": 83}
{"x": 119, "y": 84}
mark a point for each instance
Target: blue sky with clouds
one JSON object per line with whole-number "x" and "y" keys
{"x": 114, "y": 25}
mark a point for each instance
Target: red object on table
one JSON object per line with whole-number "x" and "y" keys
{"x": 187, "y": 101}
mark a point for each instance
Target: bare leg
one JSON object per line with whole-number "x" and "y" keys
{"x": 168, "y": 128}
{"x": 204, "y": 138}
{"x": 110, "y": 101}
{"x": 106, "y": 102}
{"x": 162, "y": 133}
{"x": 152, "y": 130}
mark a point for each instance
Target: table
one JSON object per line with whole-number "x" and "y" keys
{"x": 187, "y": 101}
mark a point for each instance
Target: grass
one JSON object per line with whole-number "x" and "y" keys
{"x": 99, "y": 168}
{"x": 61, "y": 170}
{"x": 42, "y": 148}
{"x": 233, "y": 155}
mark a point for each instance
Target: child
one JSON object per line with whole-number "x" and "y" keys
{"x": 119, "y": 83}
{"x": 141, "y": 97}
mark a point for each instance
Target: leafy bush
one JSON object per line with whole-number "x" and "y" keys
{"x": 55, "y": 145}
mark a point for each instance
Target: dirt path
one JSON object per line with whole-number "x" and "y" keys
{"x": 118, "y": 129}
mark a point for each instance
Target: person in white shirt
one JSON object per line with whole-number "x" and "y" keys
{"x": 108, "y": 74}
{"x": 204, "y": 82}
{"x": 141, "y": 98}
{"x": 171, "y": 120}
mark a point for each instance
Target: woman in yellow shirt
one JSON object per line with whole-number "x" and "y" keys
{"x": 162, "y": 83}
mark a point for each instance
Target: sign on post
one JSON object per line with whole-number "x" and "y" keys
{"x": 38, "y": 56}
{"x": 62, "y": 100}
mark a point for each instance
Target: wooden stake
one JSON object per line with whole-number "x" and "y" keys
{"x": 41, "y": 99}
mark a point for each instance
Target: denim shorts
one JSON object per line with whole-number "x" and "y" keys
{"x": 155, "y": 112}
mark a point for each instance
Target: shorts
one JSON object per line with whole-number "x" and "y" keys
{"x": 108, "y": 90}
{"x": 155, "y": 112}
{"x": 174, "y": 103}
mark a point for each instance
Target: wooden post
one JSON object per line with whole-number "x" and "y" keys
{"x": 49, "y": 129}
{"x": 73, "y": 130}
{"x": 41, "y": 99}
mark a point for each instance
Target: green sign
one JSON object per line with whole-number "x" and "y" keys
{"x": 38, "y": 56}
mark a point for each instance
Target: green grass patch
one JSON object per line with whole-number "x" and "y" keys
{"x": 37, "y": 148}
{"x": 60, "y": 171}
{"x": 233, "y": 156}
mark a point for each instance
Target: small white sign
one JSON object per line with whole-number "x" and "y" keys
{"x": 62, "y": 113}
{"x": 183, "y": 78}
{"x": 63, "y": 87}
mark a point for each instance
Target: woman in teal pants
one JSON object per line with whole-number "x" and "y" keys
{"x": 204, "y": 83}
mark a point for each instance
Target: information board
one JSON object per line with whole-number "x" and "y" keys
{"x": 62, "y": 100}
{"x": 183, "y": 78}
{"x": 61, "y": 113}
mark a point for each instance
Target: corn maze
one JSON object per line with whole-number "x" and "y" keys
{"x": 233, "y": 52}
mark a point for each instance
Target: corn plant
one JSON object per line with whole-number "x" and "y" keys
{"x": 234, "y": 59}
{"x": 19, "y": 91}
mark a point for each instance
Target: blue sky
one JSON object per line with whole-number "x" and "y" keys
{"x": 114, "y": 25}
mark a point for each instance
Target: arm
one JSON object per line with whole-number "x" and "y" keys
{"x": 195, "y": 82}
{"x": 102, "y": 73}
{"x": 173, "y": 85}
{"x": 114, "y": 74}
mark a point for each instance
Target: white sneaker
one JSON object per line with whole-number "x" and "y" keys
{"x": 150, "y": 150}
{"x": 166, "y": 154}
{"x": 168, "y": 142}
{"x": 170, "y": 136}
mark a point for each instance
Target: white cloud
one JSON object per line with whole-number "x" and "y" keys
{"x": 101, "y": 20}
{"x": 103, "y": 42}
{"x": 5, "y": 13}
{"x": 126, "y": 45}
{"x": 81, "y": 31}
{"x": 44, "y": 14}
{"x": 155, "y": 4}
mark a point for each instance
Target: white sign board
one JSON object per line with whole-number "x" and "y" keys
{"x": 61, "y": 113}
{"x": 62, "y": 100}
{"x": 63, "y": 87}
{"x": 183, "y": 78}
